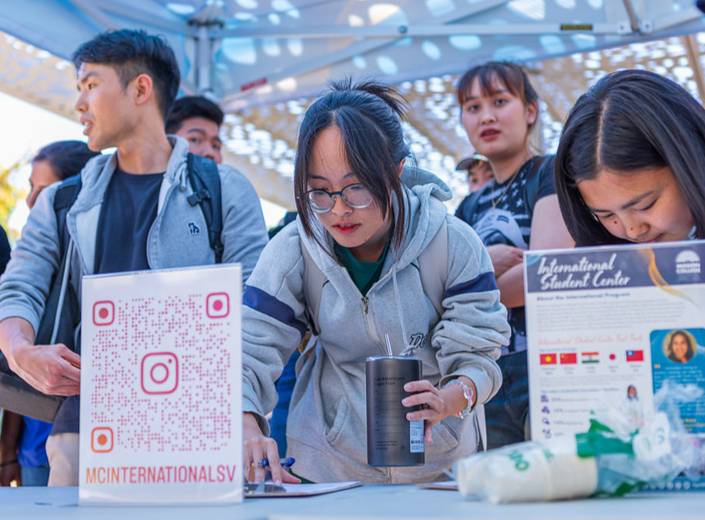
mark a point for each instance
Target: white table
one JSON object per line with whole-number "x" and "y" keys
{"x": 368, "y": 502}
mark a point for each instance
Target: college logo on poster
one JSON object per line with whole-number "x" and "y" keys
{"x": 688, "y": 262}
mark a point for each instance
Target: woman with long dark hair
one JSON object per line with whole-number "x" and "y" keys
{"x": 362, "y": 231}
{"x": 23, "y": 457}
{"x": 515, "y": 211}
{"x": 630, "y": 166}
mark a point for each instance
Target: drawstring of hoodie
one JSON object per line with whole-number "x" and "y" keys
{"x": 182, "y": 177}
{"x": 407, "y": 347}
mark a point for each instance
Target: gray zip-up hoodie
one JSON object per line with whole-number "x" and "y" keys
{"x": 326, "y": 428}
{"x": 171, "y": 242}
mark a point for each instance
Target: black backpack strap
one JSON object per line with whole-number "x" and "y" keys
{"x": 66, "y": 194}
{"x": 205, "y": 182}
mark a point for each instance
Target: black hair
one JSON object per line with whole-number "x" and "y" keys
{"x": 192, "y": 106}
{"x": 511, "y": 75}
{"x": 628, "y": 121}
{"x": 368, "y": 116}
{"x": 131, "y": 53}
{"x": 66, "y": 158}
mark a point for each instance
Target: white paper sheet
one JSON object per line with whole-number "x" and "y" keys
{"x": 305, "y": 490}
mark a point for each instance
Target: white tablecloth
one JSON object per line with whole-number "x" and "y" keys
{"x": 369, "y": 502}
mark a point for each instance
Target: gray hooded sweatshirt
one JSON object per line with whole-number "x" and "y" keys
{"x": 35, "y": 259}
{"x": 326, "y": 429}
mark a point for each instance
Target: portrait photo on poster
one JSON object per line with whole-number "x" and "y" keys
{"x": 679, "y": 355}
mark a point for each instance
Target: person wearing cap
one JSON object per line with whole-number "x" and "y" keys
{"x": 478, "y": 169}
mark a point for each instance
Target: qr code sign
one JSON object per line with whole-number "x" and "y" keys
{"x": 162, "y": 378}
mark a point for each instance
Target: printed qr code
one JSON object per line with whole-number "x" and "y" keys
{"x": 169, "y": 358}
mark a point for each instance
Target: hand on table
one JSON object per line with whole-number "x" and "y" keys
{"x": 257, "y": 448}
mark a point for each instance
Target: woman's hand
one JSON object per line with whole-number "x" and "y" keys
{"x": 437, "y": 404}
{"x": 504, "y": 257}
{"x": 256, "y": 449}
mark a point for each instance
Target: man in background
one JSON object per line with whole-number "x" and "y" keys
{"x": 198, "y": 120}
{"x": 127, "y": 82}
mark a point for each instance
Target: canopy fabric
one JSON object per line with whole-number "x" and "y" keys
{"x": 263, "y": 58}
{"x": 257, "y": 51}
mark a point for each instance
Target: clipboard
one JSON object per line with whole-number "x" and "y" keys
{"x": 270, "y": 490}
{"x": 448, "y": 485}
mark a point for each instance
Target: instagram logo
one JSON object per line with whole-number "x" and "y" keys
{"x": 160, "y": 373}
{"x": 103, "y": 313}
{"x": 102, "y": 439}
{"x": 217, "y": 305}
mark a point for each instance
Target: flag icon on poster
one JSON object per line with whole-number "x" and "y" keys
{"x": 589, "y": 357}
{"x": 568, "y": 358}
{"x": 548, "y": 359}
{"x": 635, "y": 355}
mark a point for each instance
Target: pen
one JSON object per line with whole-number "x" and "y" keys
{"x": 285, "y": 463}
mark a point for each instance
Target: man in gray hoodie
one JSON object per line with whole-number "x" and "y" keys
{"x": 132, "y": 213}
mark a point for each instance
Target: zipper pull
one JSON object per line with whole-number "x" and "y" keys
{"x": 364, "y": 304}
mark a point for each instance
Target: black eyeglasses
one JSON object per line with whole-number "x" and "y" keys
{"x": 354, "y": 195}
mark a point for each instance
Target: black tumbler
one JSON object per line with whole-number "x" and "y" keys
{"x": 391, "y": 439}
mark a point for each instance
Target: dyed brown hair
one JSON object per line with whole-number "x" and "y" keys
{"x": 511, "y": 75}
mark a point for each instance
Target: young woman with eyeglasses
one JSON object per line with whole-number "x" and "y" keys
{"x": 364, "y": 225}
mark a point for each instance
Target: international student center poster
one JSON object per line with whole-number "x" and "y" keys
{"x": 607, "y": 326}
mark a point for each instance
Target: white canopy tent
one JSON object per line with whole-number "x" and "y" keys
{"x": 258, "y": 56}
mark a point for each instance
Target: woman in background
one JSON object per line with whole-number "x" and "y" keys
{"x": 515, "y": 211}
{"x": 23, "y": 456}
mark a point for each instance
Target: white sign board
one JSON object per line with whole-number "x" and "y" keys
{"x": 606, "y": 327}
{"x": 161, "y": 410}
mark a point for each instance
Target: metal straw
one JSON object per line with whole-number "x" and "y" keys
{"x": 389, "y": 344}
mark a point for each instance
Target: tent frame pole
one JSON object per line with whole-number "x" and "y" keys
{"x": 203, "y": 60}
{"x": 405, "y": 31}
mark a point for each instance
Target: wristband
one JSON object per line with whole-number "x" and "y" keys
{"x": 8, "y": 463}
